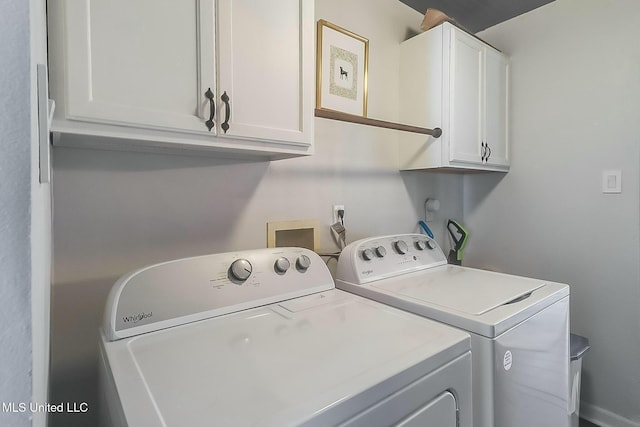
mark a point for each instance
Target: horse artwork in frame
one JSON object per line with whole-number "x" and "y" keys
{"x": 341, "y": 73}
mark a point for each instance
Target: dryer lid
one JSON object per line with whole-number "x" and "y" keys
{"x": 464, "y": 290}
{"x": 314, "y": 357}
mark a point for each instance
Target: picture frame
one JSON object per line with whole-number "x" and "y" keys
{"x": 341, "y": 70}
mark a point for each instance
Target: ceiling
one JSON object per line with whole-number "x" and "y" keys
{"x": 477, "y": 15}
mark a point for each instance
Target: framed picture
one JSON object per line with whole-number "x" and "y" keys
{"x": 341, "y": 74}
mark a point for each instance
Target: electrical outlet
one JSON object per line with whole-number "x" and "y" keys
{"x": 337, "y": 208}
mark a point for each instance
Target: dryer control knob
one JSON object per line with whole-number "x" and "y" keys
{"x": 421, "y": 245}
{"x": 240, "y": 269}
{"x": 381, "y": 251}
{"x": 367, "y": 254}
{"x": 431, "y": 244}
{"x": 281, "y": 265}
{"x": 401, "y": 247}
{"x": 303, "y": 263}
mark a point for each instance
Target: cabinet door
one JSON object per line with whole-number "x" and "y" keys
{"x": 265, "y": 66}
{"x": 465, "y": 98}
{"x": 126, "y": 69}
{"x": 496, "y": 134}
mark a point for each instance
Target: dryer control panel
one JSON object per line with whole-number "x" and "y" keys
{"x": 376, "y": 258}
{"x": 190, "y": 289}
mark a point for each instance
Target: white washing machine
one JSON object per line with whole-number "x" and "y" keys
{"x": 262, "y": 338}
{"x": 519, "y": 326}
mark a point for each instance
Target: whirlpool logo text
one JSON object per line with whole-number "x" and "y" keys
{"x": 137, "y": 317}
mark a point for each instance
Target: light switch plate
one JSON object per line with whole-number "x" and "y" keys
{"x": 612, "y": 181}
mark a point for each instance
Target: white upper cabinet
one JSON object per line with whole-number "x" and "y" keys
{"x": 265, "y": 70}
{"x": 465, "y": 88}
{"x": 124, "y": 68}
{"x": 452, "y": 80}
{"x": 139, "y": 74}
{"x": 496, "y": 105}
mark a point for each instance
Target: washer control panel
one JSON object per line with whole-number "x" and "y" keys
{"x": 190, "y": 289}
{"x": 377, "y": 258}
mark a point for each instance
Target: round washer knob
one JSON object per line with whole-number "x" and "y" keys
{"x": 401, "y": 247}
{"x": 303, "y": 263}
{"x": 240, "y": 269}
{"x": 367, "y": 254}
{"x": 381, "y": 251}
{"x": 281, "y": 265}
{"x": 431, "y": 244}
{"x": 421, "y": 245}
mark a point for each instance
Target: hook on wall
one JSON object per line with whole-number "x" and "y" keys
{"x": 430, "y": 207}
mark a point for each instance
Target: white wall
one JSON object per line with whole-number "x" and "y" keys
{"x": 575, "y": 110}
{"x": 116, "y": 211}
{"x": 15, "y": 266}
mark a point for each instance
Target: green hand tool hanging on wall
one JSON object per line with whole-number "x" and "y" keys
{"x": 459, "y": 236}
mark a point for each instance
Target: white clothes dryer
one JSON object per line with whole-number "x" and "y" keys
{"x": 262, "y": 338}
{"x": 519, "y": 326}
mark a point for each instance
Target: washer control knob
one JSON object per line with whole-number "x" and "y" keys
{"x": 401, "y": 247}
{"x": 282, "y": 265}
{"x": 303, "y": 263}
{"x": 367, "y": 254}
{"x": 431, "y": 244}
{"x": 381, "y": 251}
{"x": 421, "y": 245}
{"x": 240, "y": 269}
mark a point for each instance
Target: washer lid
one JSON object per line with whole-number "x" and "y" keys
{"x": 462, "y": 289}
{"x": 313, "y": 361}
{"x": 478, "y": 301}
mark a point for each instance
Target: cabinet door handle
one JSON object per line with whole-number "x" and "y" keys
{"x": 227, "y": 109}
{"x": 489, "y": 152}
{"x": 212, "y": 105}
{"x": 483, "y": 152}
